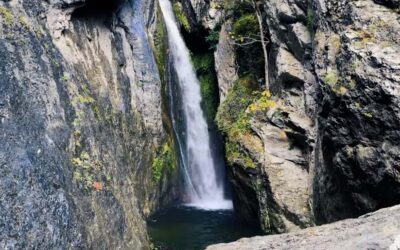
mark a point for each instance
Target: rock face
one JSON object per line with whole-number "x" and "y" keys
{"x": 357, "y": 64}
{"x": 379, "y": 230}
{"x": 225, "y": 62}
{"x": 327, "y": 149}
{"x": 204, "y": 13}
{"x": 80, "y": 122}
{"x": 280, "y": 144}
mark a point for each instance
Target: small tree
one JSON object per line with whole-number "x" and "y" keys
{"x": 250, "y": 29}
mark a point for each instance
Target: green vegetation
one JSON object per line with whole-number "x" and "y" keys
{"x": 22, "y": 20}
{"x": 245, "y": 27}
{"x": 331, "y": 78}
{"x": 161, "y": 47}
{"x": 264, "y": 103}
{"x": 65, "y": 78}
{"x": 7, "y": 15}
{"x": 213, "y": 39}
{"x": 204, "y": 65}
{"x": 310, "y": 17}
{"x": 232, "y": 114}
{"x": 243, "y": 103}
{"x": 86, "y": 170}
{"x": 234, "y": 120}
{"x": 166, "y": 159}
{"x": 246, "y": 35}
{"x": 181, "y": 16}
{"x": 235, "y": 154}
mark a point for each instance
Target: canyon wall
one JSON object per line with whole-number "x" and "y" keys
{"x": 83, "y": 147}
{"x": 321, "y": 144}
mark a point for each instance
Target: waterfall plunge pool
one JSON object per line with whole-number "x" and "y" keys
{"x": 189, "y": 228}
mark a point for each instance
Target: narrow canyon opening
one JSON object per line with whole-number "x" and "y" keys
{"x": 206, "y": 214}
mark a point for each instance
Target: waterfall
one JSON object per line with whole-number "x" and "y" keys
{"x": 204, "y": 188}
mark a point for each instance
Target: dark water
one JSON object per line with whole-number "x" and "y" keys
{"x": 187, "y": 228}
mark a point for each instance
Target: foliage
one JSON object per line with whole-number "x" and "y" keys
{"x": 232, "y": 118}
{"x": 204, "y": 65}
{"x": 235, "y": 154}
{"x": 264, "y": 103}
{"x": 181, "y": 16}
{"x": 208, "y": 93}
{"x": 161, "y": 47}
{"x": 165, "y": 160}
{"x": 65, "y": 78}
{"x": 245, "y": 26}
{"x": 245, "y": 34}
{"x": 213, "y": 39}
{"x": 86, "y": 170}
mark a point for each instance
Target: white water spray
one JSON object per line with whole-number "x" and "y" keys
{"x": 203, "y": 187}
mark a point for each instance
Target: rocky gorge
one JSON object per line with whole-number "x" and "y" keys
{"x": 309, "y": 117}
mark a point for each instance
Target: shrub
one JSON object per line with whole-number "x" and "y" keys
{"x": 165, "y": 160}
{"x": 245, "y": 26}
{"x": 213, "y": 39}
{"x": 232, "y": 118}
{"x": 203, "y": 63}
{"x": 181, "y": 17}
{"x": 264, "y": 103}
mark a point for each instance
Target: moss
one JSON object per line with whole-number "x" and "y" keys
{"x": 166, "y": 160}
{"x": 208, "y": 93}
{"x": 217, "y": 6}
{"x": 65, "y": 77}
{"x": 204, "y": 66}
{"x": 232, "y": 113}
{"x": 161, "y": 47}
{"x": 234, "y": 121}
{"x": 181, "y": 16}
{"x": 341, "y": 90}
{"x": 310, "y": 18}
{"x": 7, "y": 15}
{"x": 235, "y": 155}
{"x": 23, "y": 22}
{"x": 368, "y": 115}
{"x": 331, "y": 78}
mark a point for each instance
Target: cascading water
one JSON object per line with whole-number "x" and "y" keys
{"x": 204, "y": 188}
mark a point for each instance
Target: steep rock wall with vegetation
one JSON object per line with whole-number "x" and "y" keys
{"x": 84, "y": 154}
{"x": 311, "y": 147}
